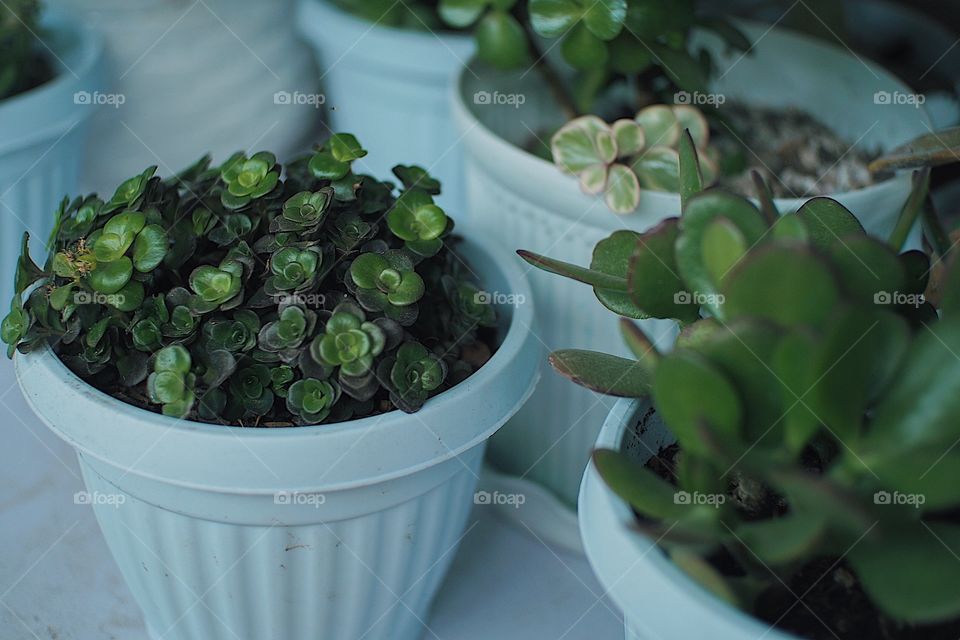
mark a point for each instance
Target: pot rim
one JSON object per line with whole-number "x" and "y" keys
{"x": 601, "y": 512}
{"x": 465, "y": 416}
{"x": 27, "y": 117}
{"x": 523, "y": 164}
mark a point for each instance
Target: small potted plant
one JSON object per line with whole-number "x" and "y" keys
{"x": 787, "y": 470}
{"x": 284, "y": 377}
{"x": 552, "y": 148}
{"x": 50, "y": 70}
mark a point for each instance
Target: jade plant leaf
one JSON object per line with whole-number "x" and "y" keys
{"x": 604, "y": 373}
{"x": 653, "y": 279}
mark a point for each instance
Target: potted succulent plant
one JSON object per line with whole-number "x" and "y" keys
{"x": 544, "y": 176}
{"x": 51, "y": 67}
{"x": 787, "y": 470}
{"x": 284, "y": 378}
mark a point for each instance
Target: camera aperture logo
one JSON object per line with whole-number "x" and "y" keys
{"x": 296, "y": 498}
{"x": 96, "y": 98}
{"x": 515, "y": 500}
{"x": 299, "y": 98}
{"x": 514, "y": 100}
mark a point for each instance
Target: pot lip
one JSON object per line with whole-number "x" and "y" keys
{"x": 28, "y": 112}
{"x": 35, "y": 369}
{"x": 523, "y": 163}
{"x": 611, "y": 520}
{"x": 315, "y": 17}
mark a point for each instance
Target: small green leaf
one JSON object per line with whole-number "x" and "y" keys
{"x": 582, "y": 49}
{"x": 501, "y": 41}
{"x": 460, "y": 14}
{"x": 638, "y": 486}
{"x": 551, "y": 18}
{"x": 828, "y": 221}
{"x": 150, "y": 248}
{"x": 345, "y": 148}
{"x": 110, "y": 277}
{"x": 603, "y": 373}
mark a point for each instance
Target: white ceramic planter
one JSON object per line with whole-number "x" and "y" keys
{"x": 391, "y": 88}
{"x": 225, "y": 75}
{"x": 338, "y": 532}
{"x": 658, "y": 600}
{"x": 524, "y": 202}
{"x": 42, "y": 135}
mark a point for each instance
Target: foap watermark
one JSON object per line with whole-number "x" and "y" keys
{"x": 95, "y": 297}
{"x": 496, "y": 98}
{"x": 915, "y": 100}
{"x": 696, "y": 498}
{"x": 314, "y": 300}
{"x": 96, "y": 498}
{"x": 298, "y": 98}
{"x": 915, "y": 300}
{"x": 696, "y": 297}
{"x": 499, "y": 298}
{"x": 515, "y": 500}
{"x": 97, "y": 98}
{"x": 699, "y": 99}
{"x": 294, "y": 498}
{"x": 915, "y": 500}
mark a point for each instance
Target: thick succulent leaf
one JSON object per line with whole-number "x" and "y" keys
{"x": 765, "y": 285}
{"x": 604, "y": 373}
{"x": 639, "y": 343}
{"x": 911, "y": 574}
{"x": 682, "y": 68}
{"x": 461, "y": 13}
{"x": 868, "y": 269}
{"x": 930, "y": 472}
{"x": 723, "y": 248}
{"x": 912, "y": 209}
{"x": 345, "y": 147}
{"x": 790, "y": 228}
{"x": 501, "y": 41}
{"x": 593, "y": 179}
{"x": 661, "y": 128}
{"x": 622, "y": 189}
{"x": 27, "y": 270}
{"x": 150, "y": 248}
{"x": 828, "y": 221}
{"x": 783, "y": 540}
{"x": 692, "y": 119}
{"x": 795, "y": 368}
{"x": 920, "y": 408}
{"x": 582, "y": 49}
{"x": 605, "y": 19}
{"x": 658, "y": 168}
{"x": 691, "y": 178}
{"x": 592, "y": 277}
{"x": 639, "y": 487}
{"x": 612, "y": 256}
{"x": 929, "y": 150}
{"x": 653, "y": 278}
{"x": 767, "y": 205}
{"x": 110, "y": 277}
{"x": 629, "y": 136}
{"x": 129, "y": 298}
{"x": 715, "y": 402}
{"x": 550, "y": 18}
{"x": 704, "y": 574}
{"x": 574, "y": 145}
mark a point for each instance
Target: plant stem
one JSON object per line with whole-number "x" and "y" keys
{"x": 559, "y": 90}
{"x": 911, "y": 210}
{"x": 935, "y": 233}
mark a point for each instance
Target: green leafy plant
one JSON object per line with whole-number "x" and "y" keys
{"x": 22, "y": 67}
{"x": 250, "y": 293}
{"x": 622, "y": 159}
{"x": 812, "y": 392}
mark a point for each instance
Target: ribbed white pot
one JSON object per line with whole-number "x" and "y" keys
{"x": 340, "y": 531}
{"x": 215, "y": 73}
{"x": 391, "y": 88}
{"x": 42, "y": 135}
{"x": 658, "y": 600}
{"x": 524, "y": 202}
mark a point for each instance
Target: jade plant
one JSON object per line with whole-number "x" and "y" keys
{"x": 622, "y": 159}
{"x": 812, "y": 391}
{"x": 22, "y": 67}
{"x": 256, "y": 294}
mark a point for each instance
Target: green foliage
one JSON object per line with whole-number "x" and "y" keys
{"x": 257, "y": 294}
{"x": 813, "y": 393}
{"x": 22, "y": 67}
{"x": 622, "y": 159}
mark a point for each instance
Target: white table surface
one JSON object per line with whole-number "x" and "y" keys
{"x": 58, "y": 581}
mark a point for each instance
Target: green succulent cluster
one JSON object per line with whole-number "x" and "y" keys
{"x": 250, "y": 293}
{"x": 604, "y": 44}
{"x": 622, "y": 159}
{"x": 813, "y": 392}
{"x": 22, "y": 66}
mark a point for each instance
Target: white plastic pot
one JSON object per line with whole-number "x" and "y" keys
{"x": 525, "y": 202}
{"x": 340, "y": 531}
{"x": 658, "y": 600}
{"x": 42, "y": 136}
{"x": 225, "y": 75}
{"x": 390, "y": 87}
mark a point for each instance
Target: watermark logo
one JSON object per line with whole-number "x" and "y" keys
{"x": 315, "y": 100}
{"x": 898, "y": 298}
{"x": 96, "y": 498}
{"x": 313, "y": 300}
{"x": 702, "y": 299}
{"x": 696, "y": 498}
{"x": 290, "y": 498}
{"x": 915, "y": 500}
{"x": 95, "y": 297}
{"x": 499, "y": 298}
{"x": 698, "y": 99}
{"x": 915, "y": 100}
{"x": 514, "y": 100}
{"x": 97, "y": 98}
{"x": 515, "y": 500}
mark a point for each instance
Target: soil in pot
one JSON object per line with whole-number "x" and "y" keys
{"x": 833, "y": 605}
